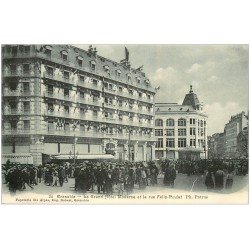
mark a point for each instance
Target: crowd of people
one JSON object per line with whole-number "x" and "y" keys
{"x": 121, "y": 177}
{"x": 103, "y": 177}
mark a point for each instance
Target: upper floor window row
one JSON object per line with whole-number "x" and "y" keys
{"x": 170, "y": 122}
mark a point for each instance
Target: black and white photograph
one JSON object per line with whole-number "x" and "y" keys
{"x": 124, "y": 124}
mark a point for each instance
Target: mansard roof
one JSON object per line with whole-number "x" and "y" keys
{"x": 191, "y": 99}
{"x": 138, "y": 77}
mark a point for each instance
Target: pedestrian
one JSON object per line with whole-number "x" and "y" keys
{"x": 39, "y": 173}
{"x": 55, "y": 177}
{"x": 120, "y": 182}
{"x": 172, "y": 175}
{"x": 209, "y": 180}
{"x": 229, "y": 180}
{"x": 60, "y": 172}
{"x": 219, "y": 179}
{"x": 167, "y": 176}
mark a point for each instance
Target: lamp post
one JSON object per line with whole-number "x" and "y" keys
{"x": 129, "y": 130}
{"x": 75, "y": 141}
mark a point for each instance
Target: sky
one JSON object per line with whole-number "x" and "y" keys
{"x": 218, "y": 74}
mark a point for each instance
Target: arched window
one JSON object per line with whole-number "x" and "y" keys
{"x": 159, "y": 122}
{"x": 182, "y": 122}
{"x": 170, "y": 122}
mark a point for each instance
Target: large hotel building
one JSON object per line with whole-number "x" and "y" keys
{"x": 181, "y": 130}
{"x": 62, "y": 100}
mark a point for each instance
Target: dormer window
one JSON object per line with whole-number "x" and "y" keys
{"x": 138, "y": 80}
{"x": 48, "y": 50}
{"x": 118, "y": 73}
{"x": 79, "y": 61}
{"x": 92, "y": 65}
{"x": 64, "y": 55}
{"x": 128, "y": 77}
{"x": 147, "y": 83}
{"x": 106, "y": 69}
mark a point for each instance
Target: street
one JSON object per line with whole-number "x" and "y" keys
{"x": 193, "y": 183}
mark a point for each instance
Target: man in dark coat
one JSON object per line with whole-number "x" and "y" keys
{"x": 219, "y": 179}
{"x": 172, "y": 176}
{"x": 61, "y": 175}
{"x": 167, "y": 176}
{"x": 99, "y": 179}
{"x": 39, "y": 173}
{"x": 25, "y": 178}
{"x": 209, "y": 180}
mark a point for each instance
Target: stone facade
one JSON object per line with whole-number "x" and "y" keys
{"x": 181, "y": 130}
{"x": 55, "y": 93}
{"x": 232, "y": 129}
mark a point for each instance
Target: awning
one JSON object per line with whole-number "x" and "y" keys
{"x": 83, "y": 157}
{"x": 189, "y": 149}
{"x": 18, "y": 158}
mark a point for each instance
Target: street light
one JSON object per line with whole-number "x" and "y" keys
{"x": 129, "y": 133}
{"x": 75, "y": 141}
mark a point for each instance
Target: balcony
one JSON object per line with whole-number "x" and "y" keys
{"x": 89, "y": 101}
{"x": 94, "y": 134}
{"x": 21, "y": 74}
{"x": 57, "y": 77}
{"x": 19, "y": 131}
{"x": 99, "y": 135}
{"x": 12, "y": 93}
{"x": 59, "y": 96}
{"x": 89, "y": 85}
{"x": 145, "y": 112}
{"x": 110, "y": 105}
{"x": 55, "y": 60}
{"x": 54, "y": 95}
{"x": 17, "y": 112}
{"x": 19, "y": 54}
{"x": 60, "y": 114}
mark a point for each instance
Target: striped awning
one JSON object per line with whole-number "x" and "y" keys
{"x": 83, "y": 157}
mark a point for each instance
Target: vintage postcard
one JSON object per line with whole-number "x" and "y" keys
{"x": 124, "y": 124}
